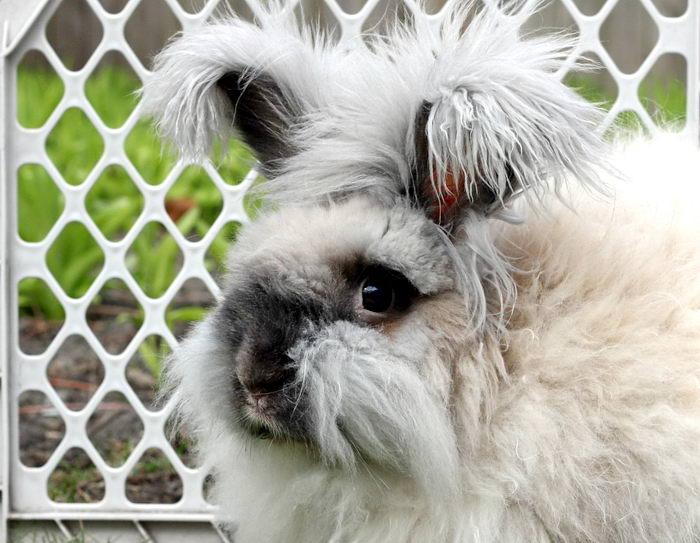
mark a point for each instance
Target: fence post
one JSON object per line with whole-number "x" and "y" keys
{"x": 4, "y": 295}
{"x": 16, "y": 16}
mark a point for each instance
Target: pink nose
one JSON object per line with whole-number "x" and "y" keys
{"x": 259, "y": 385}
{"x": 259, "y": 378}
{"x": 259, "y": 402}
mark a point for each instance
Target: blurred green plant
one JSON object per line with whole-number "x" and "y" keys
{"x": 666, "y": 101}
{"x": 113, "y": 93}
{"x": 39, "y": 90}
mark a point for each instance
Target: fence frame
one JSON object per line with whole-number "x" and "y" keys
{"x": 19, "y": 20}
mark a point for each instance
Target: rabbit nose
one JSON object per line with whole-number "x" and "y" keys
{"x": 266, "y": 378}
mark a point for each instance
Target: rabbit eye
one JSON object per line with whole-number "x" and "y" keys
{"x": 384, "y": 290}
{"x": 377, "y": 295}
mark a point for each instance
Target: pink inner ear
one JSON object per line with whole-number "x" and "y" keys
{"x": 442, "y": 206}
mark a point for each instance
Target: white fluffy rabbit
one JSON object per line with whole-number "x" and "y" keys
{"x": 444, "y": 330}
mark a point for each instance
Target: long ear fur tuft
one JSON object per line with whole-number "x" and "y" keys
{"x": 231, "y": 76}
{"x": 499, "y": 120}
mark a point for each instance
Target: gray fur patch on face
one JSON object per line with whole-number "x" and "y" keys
{"x": 412, "y": 246}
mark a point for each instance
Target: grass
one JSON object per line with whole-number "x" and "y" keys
{"x": 114, "y": 202}
{"x": 665, "y": 101}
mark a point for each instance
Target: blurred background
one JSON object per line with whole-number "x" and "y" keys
{"x": 193, "y": 203}
{"x": 629, "y": 33}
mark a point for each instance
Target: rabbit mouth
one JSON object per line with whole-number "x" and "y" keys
{"x": 265, "y": 426}
{"x": 276, "y": 415}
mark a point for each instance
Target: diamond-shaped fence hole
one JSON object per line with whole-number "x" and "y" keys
{"x": 39, "y": 89}
{"x": 239, "y": 7}
{"x": 663, "y": 92}
{"x": 113, "y": 6}
{"x": 233, "y": 161}
{"x": 181, "y": 441}
{"x": 75, "y": 259}
{"x": 597, "y": 85}
{"x": 193, "y": 203}
{"x": 76, "y": 479}
{"x": 146, "y": 40}
{"x": 75, "y": 372}
{"x": 74, "y": 146}
{"x": 114, "y": 428}
{"x": 41, "y": 428}
{"x": 216, "y": 256}
{"x": 189, "y": 305}
{"x": 144, "y": 369}
{"x": 111, "y": 88}
{"x": 383, "y": 17}
{"x": 192, "y": 6}
{"x": 352, "y": 6}
{"x": 319, "y": 15}
{"x": 432, "y": 7}
{"x": 629, "y": 49}
{"x": 114, "y": 316}
{"x": 589, "y": 7}
{"x": 154, "y": 259}
{"x": 552, "y": 18}
{"x": 114, "y": 202}
{"x": 207, "y": 488}
{"x": 74, "y": 18}
{"x": 153, "y": 480}
{"x": 39, "y": 202}
{"x": 671, "y": 8}
{"x": 150, "y": 157}
{"x": 41, "y": 315}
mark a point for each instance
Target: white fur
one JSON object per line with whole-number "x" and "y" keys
{"x": 544, "y": 387}
{"x": 594, "y": 435}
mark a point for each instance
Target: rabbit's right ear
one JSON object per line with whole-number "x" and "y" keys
{"x": 235, "y": 77}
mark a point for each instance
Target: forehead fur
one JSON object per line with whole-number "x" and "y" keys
{"x": 313, "y": 241}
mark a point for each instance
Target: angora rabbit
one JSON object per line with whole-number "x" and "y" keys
{"x": 457, "y": 321}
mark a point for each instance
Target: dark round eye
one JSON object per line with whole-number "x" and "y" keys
{"x": 377, "y": 295}
{"x": 384, "y": 290}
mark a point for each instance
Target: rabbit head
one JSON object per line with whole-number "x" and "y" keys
{"x": 363, "y": 314}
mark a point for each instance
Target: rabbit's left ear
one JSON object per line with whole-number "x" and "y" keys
{"x": 475, "y": 151}
{"x": 496, "y": 121}
{"x": 446, "y": 188}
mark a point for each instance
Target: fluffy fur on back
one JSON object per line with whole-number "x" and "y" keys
{"x": 594, "y": 434}
{"x": 525, "y": 381}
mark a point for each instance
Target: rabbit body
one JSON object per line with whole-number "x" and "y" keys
{"x": 395, "y": 357}
{"x": 584, "y": 428}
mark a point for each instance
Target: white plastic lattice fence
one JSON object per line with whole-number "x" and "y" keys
{"x": 24, "y": 489}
